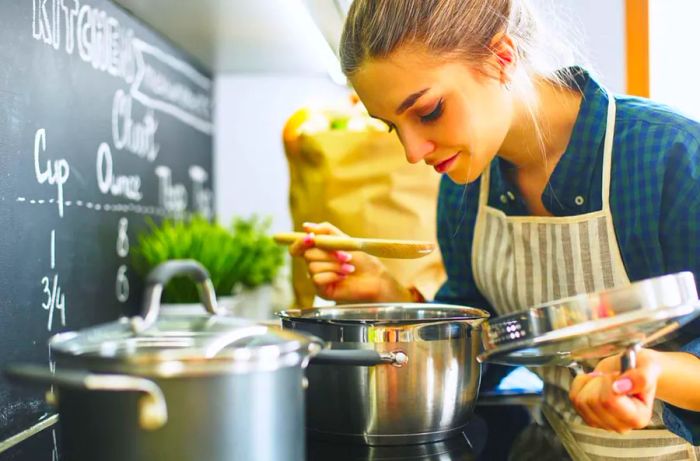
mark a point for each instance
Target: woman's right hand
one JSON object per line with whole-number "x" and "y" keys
{"x": 346, "y": 276}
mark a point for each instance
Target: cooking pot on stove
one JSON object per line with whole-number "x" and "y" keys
{"x": 178, "y": 386}
{"x": 418, "y": 380}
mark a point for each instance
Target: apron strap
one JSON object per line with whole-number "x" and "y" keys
{"x": 607, "y": 161}
{"x": 607, "y": 152}
{"x": 484, "y": 186}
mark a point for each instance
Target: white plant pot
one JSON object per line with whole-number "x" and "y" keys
{"x": 253, "y": 303}
{"x": 248, "y": 303}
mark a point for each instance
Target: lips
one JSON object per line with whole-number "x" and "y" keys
{"x": 445, "y": 164}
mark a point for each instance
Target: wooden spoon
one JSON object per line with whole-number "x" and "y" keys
{"x": 384, "y": 248}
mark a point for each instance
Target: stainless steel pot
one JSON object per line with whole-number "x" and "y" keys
{"x": 178, "y": 387}
{"x": 419, "y": 379}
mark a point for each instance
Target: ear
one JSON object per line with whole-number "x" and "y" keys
{"x": 503, "y": 49}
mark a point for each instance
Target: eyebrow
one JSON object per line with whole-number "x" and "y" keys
{"x": 409, "y": 101}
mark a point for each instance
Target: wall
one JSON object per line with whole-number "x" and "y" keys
{"x": 251, "y": 169}
{"x": 251, "y": 109}
{"x": 596, "y": 28}
{"x": 673, "y": 62}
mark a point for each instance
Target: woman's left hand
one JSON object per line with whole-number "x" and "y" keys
{"x": 607, "y": 399}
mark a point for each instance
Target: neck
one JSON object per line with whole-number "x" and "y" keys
{"x": 539, "y": 135}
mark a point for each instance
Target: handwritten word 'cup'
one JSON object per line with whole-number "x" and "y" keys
{"x": 56, "y": 171}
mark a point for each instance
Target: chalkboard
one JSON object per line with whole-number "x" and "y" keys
{"x": 103, "y": 123}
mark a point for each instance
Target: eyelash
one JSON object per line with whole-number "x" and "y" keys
{"x": 434, "y": 115}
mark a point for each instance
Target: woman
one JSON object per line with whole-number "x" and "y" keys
{"x": 551, "y": 187}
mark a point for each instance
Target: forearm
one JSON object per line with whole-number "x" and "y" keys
{"x": 679, "y": 381}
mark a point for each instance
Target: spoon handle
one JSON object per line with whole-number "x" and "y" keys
{"x": 325, "y": 242}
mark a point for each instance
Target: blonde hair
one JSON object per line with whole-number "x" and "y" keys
{"x": 456, "y": 29}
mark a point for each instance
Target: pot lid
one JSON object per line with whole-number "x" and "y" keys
{"x": 201, "y": 341}
{"x": 386, "y": 314}
{"x": 175, "y": 343}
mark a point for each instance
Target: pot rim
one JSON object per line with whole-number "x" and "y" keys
{"x": 338, "y": 315}
{"x": 112, "y": 348}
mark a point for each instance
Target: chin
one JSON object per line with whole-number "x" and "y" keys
{"x": 461, "y": 176}
{"x": 458, "y": 177}
{"x": 470, "y": 168}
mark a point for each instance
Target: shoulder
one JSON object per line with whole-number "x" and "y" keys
{"x": 656, "y": 145}
{"x": 646, "y": 123}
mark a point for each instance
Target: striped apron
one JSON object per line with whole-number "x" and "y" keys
{"x": 522, "y": 261}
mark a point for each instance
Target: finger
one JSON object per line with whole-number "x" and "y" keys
{"x": 588, "y": 415}
{"x": 326, "y": 278}
{"x": 609, "y": 364}
{"x": 317, "y": 254}
{"x": 337, "y": 291}
{"x": 611, "y": 412}
{"x": 318, "y": 267}
{"x": 582, "y": 397}
{"x": 622, "y": 412}
{"x": 301, "y": 245}
{"x": 580, "y": 382}
{"x": 322, "y": 228}
{"x": 596, "y": 406}
{"x": 638, "y": 382}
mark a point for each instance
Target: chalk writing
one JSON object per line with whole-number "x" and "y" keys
{"x": 111, "y": 183}
{"x": 136, "y": 137}
{"x": 56, "y": 172}
{"x": 172, "y": 197}
{"x": 55, "y": 299}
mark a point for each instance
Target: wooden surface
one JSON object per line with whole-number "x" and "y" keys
{"x": 384, "y": 248}
{"x": 637, "y": 42}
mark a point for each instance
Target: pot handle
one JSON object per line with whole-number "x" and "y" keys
{"x": 359, "y": 357}
{"x": 160, "y": 276}
{"x": 628, "y": 358}
{"x": 153, "y": 412}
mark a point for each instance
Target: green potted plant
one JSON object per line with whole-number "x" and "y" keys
{"x": 242, "y": 260}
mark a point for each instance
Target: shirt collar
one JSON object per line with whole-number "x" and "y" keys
{"x": 569, "y": 191}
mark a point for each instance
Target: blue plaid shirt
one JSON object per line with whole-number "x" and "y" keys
{"x": 655, "y": 202}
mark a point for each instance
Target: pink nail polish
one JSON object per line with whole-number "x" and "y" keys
{"x": 342, "y": 256}
{"x": 622, "y": 386}
{"x": 347, "y": 268}
{"x": 309, "y": 239}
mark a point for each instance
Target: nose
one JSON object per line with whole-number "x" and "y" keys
{"x": 416, "y": 147}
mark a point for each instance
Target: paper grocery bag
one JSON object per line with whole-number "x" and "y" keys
{"x": 362, "y": 183}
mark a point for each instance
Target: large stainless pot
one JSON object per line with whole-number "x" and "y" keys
{"x": 178, "y": 387}
{"x": 424, "y": 391}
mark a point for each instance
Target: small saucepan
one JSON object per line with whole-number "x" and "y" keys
{"x": 393, "y": 373}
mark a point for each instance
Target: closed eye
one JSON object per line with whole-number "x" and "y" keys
{"x": 434, "y": 114}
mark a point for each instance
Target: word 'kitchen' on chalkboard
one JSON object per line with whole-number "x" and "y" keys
{"x": 102, "y": 124}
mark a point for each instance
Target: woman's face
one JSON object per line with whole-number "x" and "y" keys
{"x": 448, "y": 114}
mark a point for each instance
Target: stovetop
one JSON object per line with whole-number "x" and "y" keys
{"x": 464, "y": 447}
